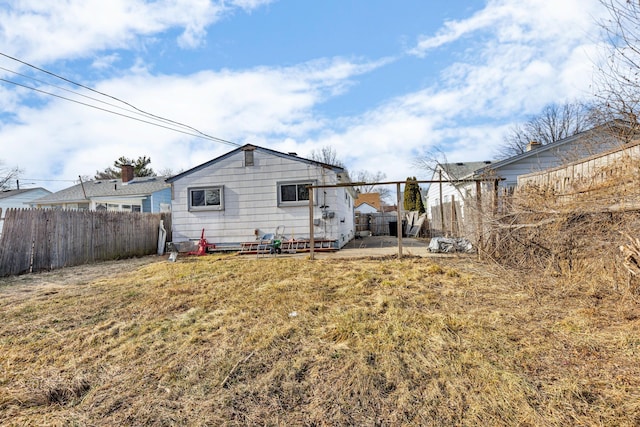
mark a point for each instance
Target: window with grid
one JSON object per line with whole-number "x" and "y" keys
{"x": 293, "y": 193}
{"x": 206, "y": 198}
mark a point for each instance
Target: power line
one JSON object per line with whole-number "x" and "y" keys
{"x": 52, "y": 180}
{"x": 72, "y": 91}
{"x": 204, "y": 136}
{"x": 198, "y": 133}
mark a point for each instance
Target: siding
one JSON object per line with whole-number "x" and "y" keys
{"x": 158, "y": 198}
{"x": 588, "y": 173}
{"x": 20, "y": 201}
{"x": 251, "y": 201}
{"x": 449, "y": 190}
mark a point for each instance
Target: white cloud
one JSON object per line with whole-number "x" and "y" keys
{"x": 523, "y": 55}
{"x": 260, "y": 105}
{"x": 523, "y": 21}
{"x": 77, "y": 28}
{"x": 105, "y": 61}
{"x": 514, "y": 62}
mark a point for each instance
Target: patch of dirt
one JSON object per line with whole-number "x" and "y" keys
{"x": 75, "y": 275}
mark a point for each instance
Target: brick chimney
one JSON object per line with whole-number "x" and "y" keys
{"x": 127, "y": 173}
{"x": 533, "y": 145}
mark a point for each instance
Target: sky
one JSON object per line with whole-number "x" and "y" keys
{"x": 383, "y": 83}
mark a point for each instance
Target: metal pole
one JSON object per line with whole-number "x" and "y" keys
{"x": 312, "y": 242}
{"x": 442, "y": 225}
{"x": 479, "y": 225}
{"x": 399, "y": 229}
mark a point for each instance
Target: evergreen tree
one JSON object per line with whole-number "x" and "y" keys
{"x": 140, "y": 168}
{"x": 412, "y": 196}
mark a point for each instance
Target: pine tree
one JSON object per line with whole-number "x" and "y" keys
{"x": 412, "y": 196}
{"x": 140, "y": 168}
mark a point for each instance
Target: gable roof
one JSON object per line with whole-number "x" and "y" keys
{"x": 371, "y": 199}
{"x": 5, "y": 194}
{"x": 139, "y": 186}
{"x": 462, "y": 170}
{"x": 246, "y": 147}
{"x": 364, "y": 204}
{"x": 616, "y": 124}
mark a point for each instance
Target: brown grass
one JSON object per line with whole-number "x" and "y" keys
{"x": 223, "y": 340}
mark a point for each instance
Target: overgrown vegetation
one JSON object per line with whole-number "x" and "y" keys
{"x": 580, "y": 231}
{"x": 223, "y": 340}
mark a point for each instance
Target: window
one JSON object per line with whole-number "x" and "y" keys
{"x": 131, "y": 208}
{"x": 209, "y": 198}
{"x": 293, "y": 193}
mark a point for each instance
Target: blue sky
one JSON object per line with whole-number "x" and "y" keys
{"x": 381, "y": 82}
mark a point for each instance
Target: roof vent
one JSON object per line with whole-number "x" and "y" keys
{"x": 291, "y": 153}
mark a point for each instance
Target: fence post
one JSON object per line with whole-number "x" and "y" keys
{"x": 479, "y": 225}
{"x": 442, "y": 227}
{"x": 400, "y": 229}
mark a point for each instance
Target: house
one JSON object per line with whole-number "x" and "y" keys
{"x": 610, "y": 178}
{"x": 368, "y": 203}
{"x": 505, "y": 172}
{"x": 445, "y": 200}
{"x": 252, "y": 191}
{"x": 129, "y": 194}
{"x": 19, "y": 199}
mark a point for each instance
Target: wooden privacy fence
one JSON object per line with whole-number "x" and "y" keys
{"x": 45, "y": 239}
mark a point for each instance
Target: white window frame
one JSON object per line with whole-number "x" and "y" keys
{"x": 211, "y": 207}
{"x": 297, "y": 202}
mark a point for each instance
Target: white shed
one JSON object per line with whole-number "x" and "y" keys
{"x": 251, "y": 191}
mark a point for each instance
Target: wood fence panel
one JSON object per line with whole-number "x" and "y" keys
{"x": 45, "y": 239}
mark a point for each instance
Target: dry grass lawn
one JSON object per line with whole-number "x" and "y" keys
{"x": 225, "y": 340}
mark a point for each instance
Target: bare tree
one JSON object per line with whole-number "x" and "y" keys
{"x": 371, "y": 179}
{"x": 328, "y": 155}
{"x": 8, "y": 176}
{"x": 555, "y": 122}
{"x": 618, "y": 83}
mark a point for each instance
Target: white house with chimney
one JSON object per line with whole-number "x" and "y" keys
{"x": 129, "y": 194}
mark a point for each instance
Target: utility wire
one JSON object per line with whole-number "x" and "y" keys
{"x": 53, "y": 180}
{"x": 79, "y": 94}
{"x": 156, "y": 117}
{"x": 197, "y": 135}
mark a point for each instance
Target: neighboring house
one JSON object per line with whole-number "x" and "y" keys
{"x": 129, "y": 194}
{"x": 611, "y": 172}
{"x": 366, "y": 208}
{"x": 252, "y": 191}
{"x": 19, "y": 199}
{"x": 537, "y": 158}
{"x": 368, "y": 203}
{"x": 443, "y": 197}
